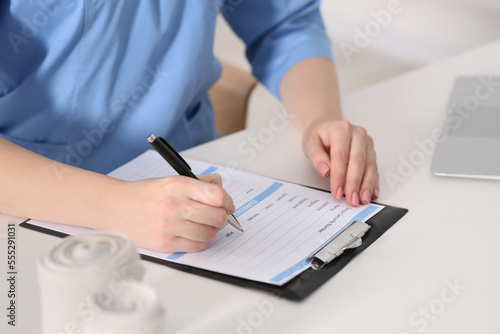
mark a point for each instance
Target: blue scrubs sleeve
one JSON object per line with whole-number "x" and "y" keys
{"x": 278, "y": 35}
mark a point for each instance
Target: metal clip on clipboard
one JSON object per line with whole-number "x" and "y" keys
{"x": 350, "y": 237}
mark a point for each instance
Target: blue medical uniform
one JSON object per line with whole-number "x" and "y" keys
{"x": 85, "y": 82}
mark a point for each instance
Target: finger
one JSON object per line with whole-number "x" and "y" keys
{"x": 318, "y": 155}
{"x": 205, "y": 214}
{"x": 165, "y": 242}
{"x": 209, "y": 194}
{"x": 211, "y": 178}
{"x": 370, "y": 177}
{"x": 339, "y": 155}
{"x": 215, "y": 179}
{"x": 196, "y": 232}
{"x": 181, "y": 244}
{"x": 356, "y": 165}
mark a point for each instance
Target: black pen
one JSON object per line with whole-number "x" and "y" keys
{"x": 181, "y": 166}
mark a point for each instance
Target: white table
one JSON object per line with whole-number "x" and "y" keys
{"x": 436, "y": 271}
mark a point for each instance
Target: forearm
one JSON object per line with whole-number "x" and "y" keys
{"x": 36, "y": 187}
{"x": 309, "y": 91}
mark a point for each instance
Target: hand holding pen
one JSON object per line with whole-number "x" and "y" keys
{"x": 168, "y": 214}
{"x": 181, "y": 166}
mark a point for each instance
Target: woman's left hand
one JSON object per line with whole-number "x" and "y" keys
{"x": 346, "y": 153}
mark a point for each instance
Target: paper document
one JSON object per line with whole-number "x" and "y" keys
{"x": 284, "y": 223}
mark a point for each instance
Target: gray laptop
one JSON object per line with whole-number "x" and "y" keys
{"x": 471, "y": 146}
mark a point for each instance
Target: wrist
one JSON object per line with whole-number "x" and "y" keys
{"x": 106, "y": 202}
{"x": 319, "y": 117}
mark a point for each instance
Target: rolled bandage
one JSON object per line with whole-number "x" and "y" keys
{"x": 132, "y": 309}
{"x": 76, "y": 268}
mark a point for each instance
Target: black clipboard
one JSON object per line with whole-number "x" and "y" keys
{"x": 302, "y": 285}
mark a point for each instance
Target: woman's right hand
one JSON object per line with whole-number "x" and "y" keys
{"x": 172, "y": 214}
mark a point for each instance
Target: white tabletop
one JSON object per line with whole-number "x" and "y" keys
{"x": 435, "y": 271}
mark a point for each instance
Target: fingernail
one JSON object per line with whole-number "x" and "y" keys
{"x": 339, "y": 194}
{"x": 355, "y": 199}
{"x": 323, "y": 169}
{"x": 366, "y": 197}
{"x": 375, "y": 193}
{"x": 233, "y": 209}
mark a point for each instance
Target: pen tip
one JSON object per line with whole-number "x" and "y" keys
{"x": 233, "y": 221}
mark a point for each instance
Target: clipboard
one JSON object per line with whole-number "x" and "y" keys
{"x": 305, "y": 283}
